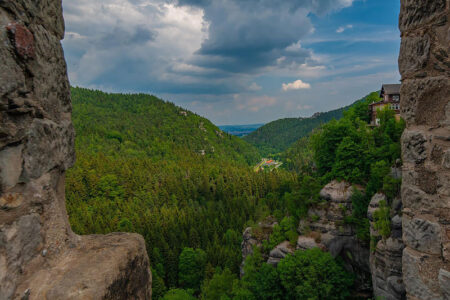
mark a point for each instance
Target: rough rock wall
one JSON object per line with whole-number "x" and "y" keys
{"x": 386, "y": 253}
{"x": 424, "y": 64}
{"x": 329, "y": 231}
{"x": 40, "y": 257}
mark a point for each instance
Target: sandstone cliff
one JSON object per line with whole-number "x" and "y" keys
{"x": 40, "y": 257}
{"x": 325, "y": 228}
{"x": 424, "y": 64}
{"x": 386, "y": 252}
{"x": 333, "y": 234}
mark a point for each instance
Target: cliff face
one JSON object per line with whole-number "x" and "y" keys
{"x": 40, "y": 257}
{"x": 386, "y": 253}
{"x": 331, "y": 233}
{"x": 424, "y": 64}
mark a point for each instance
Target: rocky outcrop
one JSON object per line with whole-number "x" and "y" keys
{"x": 326, "y": 228}
{"x": 424, "y": 64}
{"x": 386, "y": 253}
{"x": 40, "y": 257}
{"x": 253, "y": 237}
{"x": 280, "y": 252}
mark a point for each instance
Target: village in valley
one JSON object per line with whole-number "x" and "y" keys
{"x": 267, "y": 165}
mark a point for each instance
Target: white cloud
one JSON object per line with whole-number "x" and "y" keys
{"x": 344, "y": 28}
{"x": 254, "y": 87}
{"x": 296, "y": 85}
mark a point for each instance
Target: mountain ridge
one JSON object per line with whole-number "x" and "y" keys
{"x": 277, "y": 136}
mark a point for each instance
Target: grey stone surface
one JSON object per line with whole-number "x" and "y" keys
{"x": 40, "y": 256}
{"x": 425, "y": 96}
{"x": 337, "y": 191}
{"x": 444, "y": 282}
{"x": 422, "y": 235}
{"x": 280, "y": 252}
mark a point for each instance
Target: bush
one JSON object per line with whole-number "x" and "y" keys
{"x": 220, "y": 286}
{"x": 178, "y": 294}
{"x": 191, "y": 268}
{"x": 382, "y": 220}
{"x": 313, "y": 274}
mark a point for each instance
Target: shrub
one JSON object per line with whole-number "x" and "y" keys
{"x": 383, "y": 220}
{"x": 313, "y": 274}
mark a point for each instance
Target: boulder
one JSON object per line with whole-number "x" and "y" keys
{"x": 305, "y": 243}
{"x": 337, "y": 191}
{"x": 280, "y": 252}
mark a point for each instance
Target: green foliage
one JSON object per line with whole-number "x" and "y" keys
{"x": 304, "y": 194}
{"x": 382, "y": 219}
{"x": 191, "y": 268}
{"x": 310, "y": 274}
{"x": 158, "y": 286}
{"x": 360, "y": 204}
{"x": 350, "y": 150}
{"x": 220, "y": 286}
{"x": 313, "y": 274}
{"x": 286, "y": 230}
{"x": 279, "y": 135}
{"x": 178, "y": 294}
{"x": 378, "y": 170}
{"x": 137, "y": 124}
{"x": 265, "y": 283}
{"x": 139, "y": 169}
{"x": 391, "y": 186}
{"x": 349, "y": 164}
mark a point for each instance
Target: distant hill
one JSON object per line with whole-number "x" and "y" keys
{"x": 240, "y": 130}
{"x": 279, "y": 135}
{"x": 141, "y": 124}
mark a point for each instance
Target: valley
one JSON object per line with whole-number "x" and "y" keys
{"x": 240, "y": 130}
{"x": 147, "y": 166}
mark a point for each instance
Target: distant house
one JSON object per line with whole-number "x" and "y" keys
{"x": 390, "y": 98}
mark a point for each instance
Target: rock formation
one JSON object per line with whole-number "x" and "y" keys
{"x": 424, "y": 64}
{"x": 280, "y": 252}
{"x": 253, "y": 237}
{"x": 386, "y": 253}
{"x": 40, "y": 257}
{"x": 329, "y": 230}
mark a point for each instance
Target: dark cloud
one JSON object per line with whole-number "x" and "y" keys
{"x": 120, "y": 36}
{"x": 157, "y": 45}
{"x": 246, "y": 35}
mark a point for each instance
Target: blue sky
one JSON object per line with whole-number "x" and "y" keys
{"x": 235, "y": 61}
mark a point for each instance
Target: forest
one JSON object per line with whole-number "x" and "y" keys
{"x": 279, "y": 135}
{"x": 145, "y": 165}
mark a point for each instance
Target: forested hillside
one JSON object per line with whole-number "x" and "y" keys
{"x": 279, "y": 135}
{"x": 140, "y": 168}
{"x": 148, "y": 166}
{"x": 141, "y": 124}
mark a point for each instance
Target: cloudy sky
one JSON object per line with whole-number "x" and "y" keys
{"x": 235, "y": 61}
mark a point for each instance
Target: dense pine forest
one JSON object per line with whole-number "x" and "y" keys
{"x": 147, "y": 166}
{"x": 140, "y": 167}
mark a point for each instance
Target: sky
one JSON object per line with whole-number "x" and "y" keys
{"x": 235, "y": 61}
